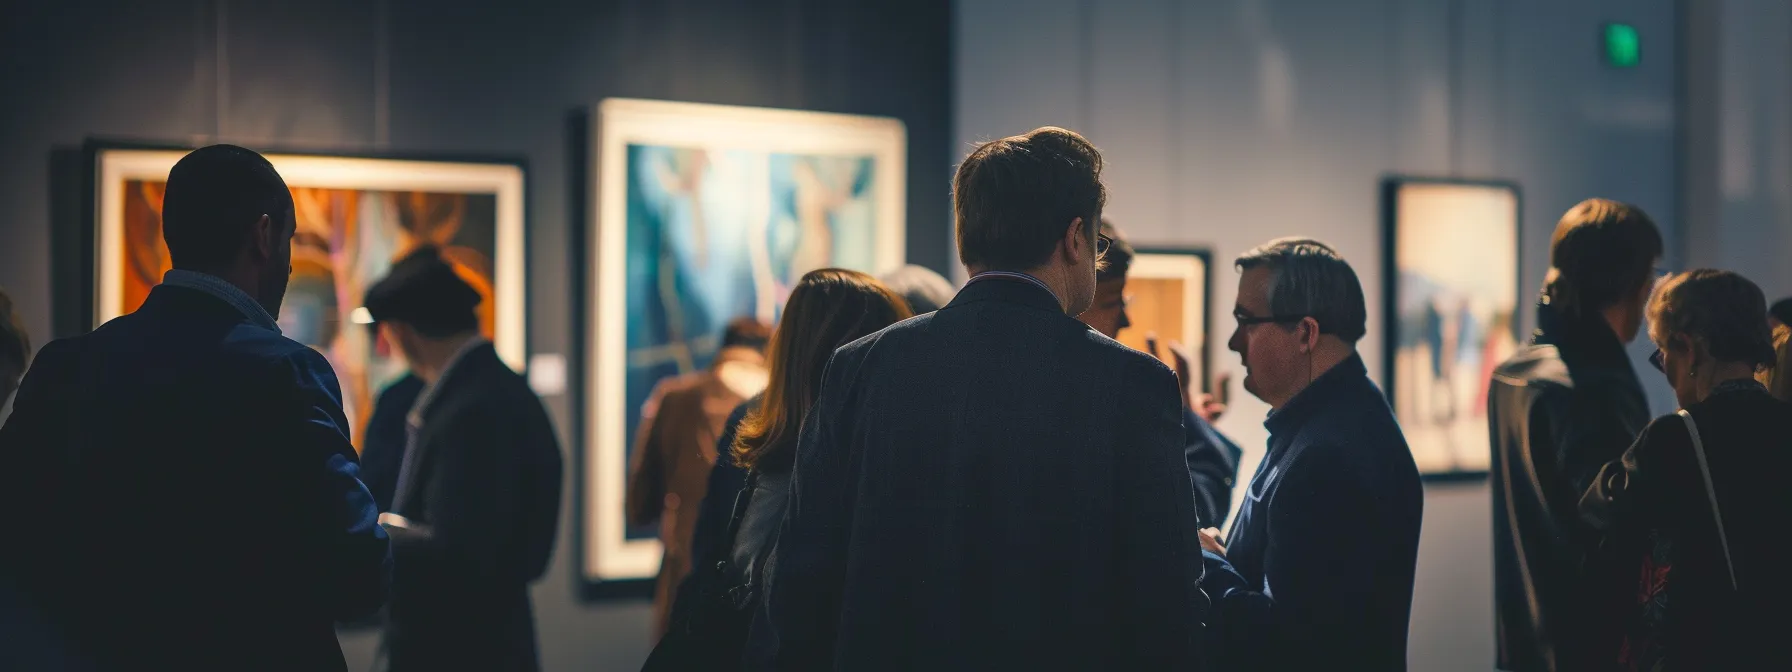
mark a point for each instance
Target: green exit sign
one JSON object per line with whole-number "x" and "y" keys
{"x": 1623, "y": 47}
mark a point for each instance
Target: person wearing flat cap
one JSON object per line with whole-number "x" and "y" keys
{"x": 477, "y": 499}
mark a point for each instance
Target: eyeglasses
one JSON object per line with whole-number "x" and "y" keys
{"x": 1655, "y": 361}
{"x": 1247, "y": 320}
{"x": 1102, "y": 243}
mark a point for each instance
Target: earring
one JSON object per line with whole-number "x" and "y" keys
{"x": 1692, "y": 372}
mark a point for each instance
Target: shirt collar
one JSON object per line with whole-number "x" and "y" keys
{"x": 224, "y": 291}
{"x": 1014, "y": 276}
{"x": 429, "y": 392}
{"x": 1316, "y": 396}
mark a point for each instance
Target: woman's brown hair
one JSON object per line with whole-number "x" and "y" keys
{"x": 829, "y": 308}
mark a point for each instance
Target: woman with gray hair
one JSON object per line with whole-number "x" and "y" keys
{"x": 1692, "y": 515}
{"x": 924, "y": 290}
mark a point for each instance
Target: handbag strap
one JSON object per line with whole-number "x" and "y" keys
{"x": 1698, "y": 448}
{"x": 742, "y": 500}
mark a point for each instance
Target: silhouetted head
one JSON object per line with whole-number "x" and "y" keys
{"x": 1602, "y": 262}
{"x": 422, "y": 299}
{"x": 1031, "y": 203}
{"x": 227, "y": 212}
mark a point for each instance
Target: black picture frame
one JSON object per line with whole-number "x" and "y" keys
{"x": 1390, "y": 187}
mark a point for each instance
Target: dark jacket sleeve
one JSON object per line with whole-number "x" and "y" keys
{"x": 1625, "y": 492}
{"x": 357, "y": 564}
{"x": 1575, "y": 432}
{"x": 1212, "y": 465}
{"x": 473, "y": 493}
{"x": 1159, "y": 564}
{"x": 802, "y": 601}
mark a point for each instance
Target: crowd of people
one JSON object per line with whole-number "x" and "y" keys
{"x": 899, "y": 475}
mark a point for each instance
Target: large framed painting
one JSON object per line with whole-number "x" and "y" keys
{"x": 355, "y": 216}
{"x": 1452, "y": 286}
{"x": 702, "y": 214}
{"x": 1167, "y": 293}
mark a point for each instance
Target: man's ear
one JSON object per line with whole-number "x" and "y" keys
{"x": 1309, "y": 334}
{"x": 267, "y": 236}
{"x": 1075, "y": 242}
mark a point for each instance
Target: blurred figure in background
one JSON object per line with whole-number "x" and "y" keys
{"x": 1778, "y": 378}
{"x": 675, "y": 448}
{"x": 1328, "y": 540}
{"x": 924, "y": 290}
{"x": 179, "y": 490}
{"x": 477, "y": 500}
{"x": 1780, "y": 314}
{"x": 751, "y": 480}
{"x": 1212, "y": 458}
{"x": 1694, "y": 512}
{"x": 1557, "y": 411}
{"x": 15, "y": 352}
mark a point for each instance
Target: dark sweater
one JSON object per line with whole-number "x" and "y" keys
{"x": 1327, "y": 537}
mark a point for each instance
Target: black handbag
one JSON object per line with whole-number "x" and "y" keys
{"x": 708, "y": 627}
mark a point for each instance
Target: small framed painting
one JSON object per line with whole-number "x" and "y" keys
{"x": 1452, "y": 296}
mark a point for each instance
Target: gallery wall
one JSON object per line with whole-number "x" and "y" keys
{"x": 458, "y": 78}
{"x": 1226, "y": 124}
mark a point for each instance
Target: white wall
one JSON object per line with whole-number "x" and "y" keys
{"x": 1229, "y": 123}
{"x": 1738, "y": 111}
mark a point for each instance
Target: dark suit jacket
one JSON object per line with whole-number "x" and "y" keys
{"x": 486, "y": 483}
{"x": 180, "y": 493}
{"x": 386, "y": 435}
{"x": 992, "y": 486}
{"x": 1557, "y": 411}
{"x": 1329, "y": 531}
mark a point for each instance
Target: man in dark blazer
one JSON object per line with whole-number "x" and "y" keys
{"x": 1557, "y": 411}
{"x": 477, "y": 499}
{"x": 179, "y": 490}
{"x": 995, "y": 485}
{"x": 1212, "y": 458}
{"x": 1327, "y": 538}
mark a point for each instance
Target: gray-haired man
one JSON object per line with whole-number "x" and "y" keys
{"x": 1328, "y": 585}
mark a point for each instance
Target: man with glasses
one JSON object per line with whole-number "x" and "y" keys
{"x": 1557, "y": 411}
{"x": 994, "y": 485}
{"x": 1326, "y": 540}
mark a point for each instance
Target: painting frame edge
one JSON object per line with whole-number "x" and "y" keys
{"x": 612, "y": 567}
{"x": 1390, "y": 292}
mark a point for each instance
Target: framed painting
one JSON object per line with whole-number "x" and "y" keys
{"x": 1167, "y": 293}
{"x": 1452, "y": 289}
{"x": 355, "y": 216}
{"x": 705, "y": 213}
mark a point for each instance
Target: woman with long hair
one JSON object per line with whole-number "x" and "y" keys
{"x": 748, "y": 488}
{"x": 1693, "y": 514}
{"x": 1778, "y": 378}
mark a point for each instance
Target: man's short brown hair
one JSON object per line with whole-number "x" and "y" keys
{"x": 1014, "y": 197}
{"x": 15, "y": 345}
{"x": 1602, "y": 252}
